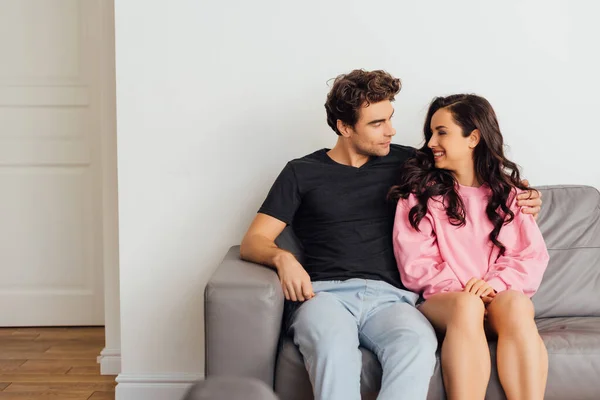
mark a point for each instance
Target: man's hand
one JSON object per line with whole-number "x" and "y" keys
{"x": 259, "y": 246}
{"x": 530, "y": 201}
{"x": 295, "y": 281}
{"x": 479, "y": 287}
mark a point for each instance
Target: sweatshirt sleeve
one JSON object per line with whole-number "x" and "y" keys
{"x": 418, "y": 256}
{"x": 526, "y": 257}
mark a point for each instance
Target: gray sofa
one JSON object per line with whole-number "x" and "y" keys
{"x": 244, "y": 307}
{"x": 230, "y": 388}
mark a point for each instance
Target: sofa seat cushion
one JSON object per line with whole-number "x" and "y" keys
{"x": 573, "y": 345}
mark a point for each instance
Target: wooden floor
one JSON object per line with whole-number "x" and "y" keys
{"x": 53, "y": 363}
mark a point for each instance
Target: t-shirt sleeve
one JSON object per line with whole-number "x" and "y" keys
{"x": 283, "y": 199}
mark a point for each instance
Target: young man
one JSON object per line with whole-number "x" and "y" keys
{"x": 349, "y": 288}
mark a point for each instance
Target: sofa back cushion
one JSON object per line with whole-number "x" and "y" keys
{"x": 570, "y": 223}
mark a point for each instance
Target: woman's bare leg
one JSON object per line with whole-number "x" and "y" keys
{"x": 465, "y": 352}
{"x": 521, "y": 356}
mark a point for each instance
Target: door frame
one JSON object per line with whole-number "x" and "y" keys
{"x": 110, "y": 357}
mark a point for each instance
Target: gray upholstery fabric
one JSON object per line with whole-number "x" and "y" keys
{"x": 230, "y": 388}
{"x": 573, "y": 345}
{"x": 570, "y": 223}
{"x": 243, "y": 310}
{"x": 244, "y": 305}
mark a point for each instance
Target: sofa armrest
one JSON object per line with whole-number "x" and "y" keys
{"x": 242, "y": 314}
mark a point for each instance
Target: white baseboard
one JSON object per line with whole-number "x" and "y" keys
{"x": 154, "y": 387}
{"x": 110, "y": 361}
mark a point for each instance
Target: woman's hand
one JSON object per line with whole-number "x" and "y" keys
{"x": 487, "y": 300}
{"x": 479, "y": 288}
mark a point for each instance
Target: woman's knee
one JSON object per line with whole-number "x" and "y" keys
{"x": 511, "y": 303}
{"x": 510, "y": 308}
{"x": 467, "y": 308}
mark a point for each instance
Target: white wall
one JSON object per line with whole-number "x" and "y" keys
{"x": 110, "y": 357}
{"x": 214, "y": 97}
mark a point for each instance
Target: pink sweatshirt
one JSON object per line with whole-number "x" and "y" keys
{"x": 442, "y": 257}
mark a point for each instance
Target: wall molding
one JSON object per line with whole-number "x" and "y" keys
{"x": 110, "y": 361}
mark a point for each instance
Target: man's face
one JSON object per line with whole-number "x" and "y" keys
{"x": 372, "y": 133}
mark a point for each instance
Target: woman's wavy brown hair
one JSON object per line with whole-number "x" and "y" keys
{"x": 350, "y": 91}
{"x": 419, "y": 175}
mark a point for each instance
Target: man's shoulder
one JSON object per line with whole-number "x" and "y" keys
{"x": 308, "y": 165}
{"x": 314, "y": 157}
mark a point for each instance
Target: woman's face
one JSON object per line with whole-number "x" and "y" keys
{"x": 451, "y": 150}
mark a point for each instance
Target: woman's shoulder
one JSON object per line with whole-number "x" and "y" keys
{"x": 408, "y": 202}
{"x": 434, "y": 203}
{"x": 511, "y": 202}
{"x": 513, "y": 206}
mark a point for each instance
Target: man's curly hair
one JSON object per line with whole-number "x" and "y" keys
{"x": 350, "y": 91}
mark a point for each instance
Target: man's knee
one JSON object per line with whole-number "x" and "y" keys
{"x": 422, "y": 339}
{"x": 422, "y": 333}
{"x": 417, "y": 334}
{"x": 416, "y": 346}
{"x": 324, "y": 325}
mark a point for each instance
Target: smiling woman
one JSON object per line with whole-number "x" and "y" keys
{"x": 462, "y": 242}
{"x": 450, "y": 147}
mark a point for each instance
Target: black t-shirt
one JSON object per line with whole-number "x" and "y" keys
{"x": 340, "y": 214}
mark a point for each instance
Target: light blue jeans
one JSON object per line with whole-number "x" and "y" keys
{"x": 329, "y": 328}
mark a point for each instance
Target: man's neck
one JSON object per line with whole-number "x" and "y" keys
{"x": 342, "y": 153}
